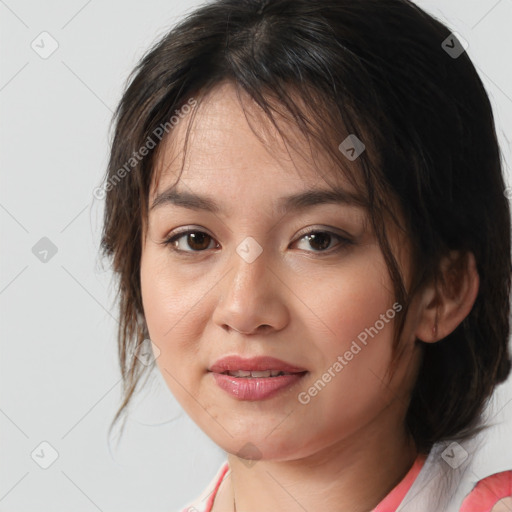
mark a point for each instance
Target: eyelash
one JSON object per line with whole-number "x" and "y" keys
{"x": 343, "y": 241}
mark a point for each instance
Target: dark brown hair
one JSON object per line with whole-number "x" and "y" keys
{"x": 375, "y": 68}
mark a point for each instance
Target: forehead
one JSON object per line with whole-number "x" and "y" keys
{"x": 234, "y": 147}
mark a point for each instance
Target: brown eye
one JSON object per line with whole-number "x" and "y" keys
{"x": 196, "y": 241}
{"x": 321, "y": 241}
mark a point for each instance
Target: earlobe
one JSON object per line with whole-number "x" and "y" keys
{"x": 446, "y": 302}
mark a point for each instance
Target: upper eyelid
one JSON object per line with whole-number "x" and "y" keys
{"x": 309, "y": 230}
{"x": 172, "y": 238}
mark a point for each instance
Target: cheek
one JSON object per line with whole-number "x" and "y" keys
{"x": 173, "y": 328}
{"x": 357, "y": 303}
{"x": 170, "y": 310}
{"x": 358, "y": 318}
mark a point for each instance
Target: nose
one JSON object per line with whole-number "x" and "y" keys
{"x": 252, "y": 296}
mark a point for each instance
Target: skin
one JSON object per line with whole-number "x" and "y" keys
{"x": 503, "y": 505}
{"x": 348, "y": 447}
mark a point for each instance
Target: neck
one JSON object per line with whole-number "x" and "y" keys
{"x": 354, "y": 474}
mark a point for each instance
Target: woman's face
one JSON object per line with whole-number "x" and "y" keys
{"x": 250, "y": 282}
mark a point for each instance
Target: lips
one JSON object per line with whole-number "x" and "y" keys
{"x": 242, "y": 365}
{"x": 257, "y": 378}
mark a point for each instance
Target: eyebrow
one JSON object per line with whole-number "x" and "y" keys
{"x": 291, "y": 203}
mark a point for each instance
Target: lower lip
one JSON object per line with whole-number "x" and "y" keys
{"x": 256, "y": 388}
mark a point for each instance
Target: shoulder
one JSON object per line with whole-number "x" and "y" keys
{"x": 491, "y": 494}
{"x": 205, "y": 501}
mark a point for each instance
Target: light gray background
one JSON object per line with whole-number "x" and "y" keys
{"x": 59, "y": 377}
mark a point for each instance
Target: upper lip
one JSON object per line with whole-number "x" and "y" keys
{"x": 261, "y": 363}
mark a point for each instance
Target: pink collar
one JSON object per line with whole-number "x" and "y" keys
{"x": 391, "y": 502}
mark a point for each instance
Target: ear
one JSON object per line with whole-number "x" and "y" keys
{"x": 445, "y": 303}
